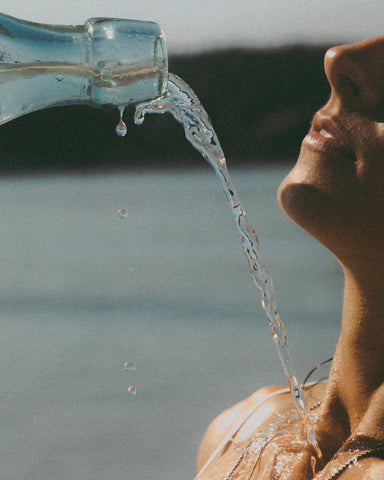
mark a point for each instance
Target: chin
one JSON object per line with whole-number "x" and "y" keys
{"x": 301, "y": 194}
{"x": 319, "y": 194}
{"x": 305, "y": 204}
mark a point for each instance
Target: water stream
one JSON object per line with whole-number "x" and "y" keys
{"x": 186, "y": 108}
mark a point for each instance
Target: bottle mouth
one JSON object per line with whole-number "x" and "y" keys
{"x": 128, "y": 60}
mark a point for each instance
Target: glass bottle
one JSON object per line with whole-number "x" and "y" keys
{"x": 104, "y": 62}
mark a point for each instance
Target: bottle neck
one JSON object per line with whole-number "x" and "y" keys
{"x": 103, "y": 62}
{"x": 41, "y": 66}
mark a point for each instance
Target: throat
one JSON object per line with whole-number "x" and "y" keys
{"x": 360, "y": 352}
{"x": 354, "y": 400}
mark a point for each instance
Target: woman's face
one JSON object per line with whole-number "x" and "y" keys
{"x": 336, "y": 189}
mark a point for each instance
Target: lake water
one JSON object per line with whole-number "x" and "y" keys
{"x": 83, "y": 290}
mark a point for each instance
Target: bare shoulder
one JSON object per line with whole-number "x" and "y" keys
{"x": 370, "y": 468}
{"x": 265, "y": 402}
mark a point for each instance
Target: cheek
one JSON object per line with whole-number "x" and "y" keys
{"x": 371, "y": 177}
{"x": 373, "y": 195}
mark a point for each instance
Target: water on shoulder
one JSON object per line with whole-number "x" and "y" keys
{"x": 274, "y": 451}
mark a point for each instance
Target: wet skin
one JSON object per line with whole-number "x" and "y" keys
{"x": 336, "y": 193}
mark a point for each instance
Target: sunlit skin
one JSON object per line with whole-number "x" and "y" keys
{"x": 336, "y": 193}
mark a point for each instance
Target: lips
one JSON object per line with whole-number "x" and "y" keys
{"x": 325, "y": 136}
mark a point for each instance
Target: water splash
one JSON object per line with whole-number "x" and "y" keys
{"x": 186, "y": 108}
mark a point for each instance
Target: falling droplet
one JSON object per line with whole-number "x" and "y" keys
{"x": 122, "y": 213}
{"x": 129, "y": 366}
{"x": 132, "y": 390}
{"x": 121, "y": 127}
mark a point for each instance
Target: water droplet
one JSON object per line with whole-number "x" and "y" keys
{"x": 129, "y": 366}
{"x": 60, "y": 77}
{"x": 132, "y": 390}
{"x": 121, "y": 127}
{"x": 122, "y": 213}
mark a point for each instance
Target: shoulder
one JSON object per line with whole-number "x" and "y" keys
{"x": 265, "y": 401}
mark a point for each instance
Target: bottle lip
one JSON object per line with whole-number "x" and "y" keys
{"x": 134, "y": 27}
{"x": 128, "y": 61}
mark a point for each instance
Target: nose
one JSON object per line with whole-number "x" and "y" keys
{"x": 356, "y": 75}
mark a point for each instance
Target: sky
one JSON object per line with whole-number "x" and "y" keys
{"x": 195, "y": 25}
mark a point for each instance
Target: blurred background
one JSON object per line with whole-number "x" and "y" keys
{"x": 256, "y": 66}
{"x": 82, "y": 290}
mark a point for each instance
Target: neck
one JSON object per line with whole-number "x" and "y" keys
{"x": 360, "y": 353}
{"x": 356, "y": 385}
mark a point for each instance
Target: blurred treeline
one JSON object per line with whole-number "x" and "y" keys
{"x": 260, "y": 104}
